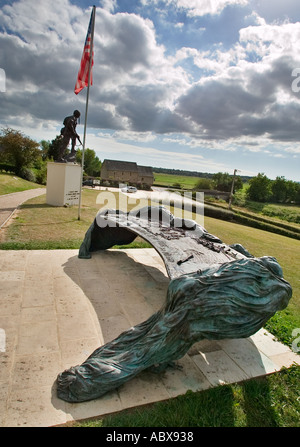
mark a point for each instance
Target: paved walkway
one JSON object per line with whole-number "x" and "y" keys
{"x": 56, "y": 309}
{"x": 9, "y": 202}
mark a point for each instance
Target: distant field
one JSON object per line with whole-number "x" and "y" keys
{"x": 290, "y": 213}
{"x": 168, "y": 180}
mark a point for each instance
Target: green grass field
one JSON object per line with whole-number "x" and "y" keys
{"x": 169, "y": 180}
{"x": 267, "y": 402}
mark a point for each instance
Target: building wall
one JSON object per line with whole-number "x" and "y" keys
{"x": 136, "y": 175}
{"x": 122, "y": 176}
{"x": 146, "y": 179}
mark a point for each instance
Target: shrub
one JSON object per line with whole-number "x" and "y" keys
{"x": 41, "y": 176}
{"x": 41, "y": 173}
{"x": 27, "y": 174}
{"x": 203, "y": 183}
{"x": 7, "y": 168}
{"x": 176, "y": 185}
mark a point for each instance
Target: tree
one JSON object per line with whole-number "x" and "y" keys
{"x": 203, "y": 183}
{"x": 284, "y": 191}
{"x": 45, "y": 149}
{"x": 292, "y": 191}
{"x": 17, "y": 149}
{"x": 223, "y": 182}
{"x": 297, "y": 193}
{"x": 92, "y": 164}
{"x": 259, "y": 188}
{"x": 279, "y": 189}
{"x": 53, "y": 149}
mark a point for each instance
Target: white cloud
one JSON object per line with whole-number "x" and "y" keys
{"x": 108, "y": 5}
{"x": 42, "y": 48}
{"x": 246, "y": 90}
{"x": 41, "y": 25}
{"x": 277, "y": 10}
{"x": 242, "y": 97}
{"x": 198, "y": 8}
{"x": 272, "y": 40}
{"x": 203, "y": 7}
{"x": 111, "y": 148}
{"x": 140, "y": 137}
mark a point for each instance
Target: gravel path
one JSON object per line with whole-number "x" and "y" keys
{"x": 10, "y": 202}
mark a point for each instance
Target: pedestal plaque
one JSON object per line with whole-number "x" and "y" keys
{"x": 63, "y": 184}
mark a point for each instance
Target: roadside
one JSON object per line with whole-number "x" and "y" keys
{"x": 10, "y": 202}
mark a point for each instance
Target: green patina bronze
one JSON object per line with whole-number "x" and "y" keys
{"x": 215, "y": 292}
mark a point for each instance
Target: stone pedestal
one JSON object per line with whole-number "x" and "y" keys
{"x": 63, "y": 184}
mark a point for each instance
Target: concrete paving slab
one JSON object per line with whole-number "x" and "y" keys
{"x": 56, "y": 309}
{"x": 186, "y": 377}
{"x": 244, "y": 353}
{"x": 219, "y": 368}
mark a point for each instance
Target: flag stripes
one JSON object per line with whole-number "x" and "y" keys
{"x": 83, "y": 73}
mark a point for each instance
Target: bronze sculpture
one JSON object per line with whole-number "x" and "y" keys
{"x": 216, "y": 291}
{"x": 68, "y": 132}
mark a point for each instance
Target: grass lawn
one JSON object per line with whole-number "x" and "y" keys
{"x": 167, "y": 180}
{"x": 43, "y": 227}
{"x": 267, "y": 402}
{"x": 40, "y": 226}
{"x": 278, "y": 211}
{"x": 271, "y": 401}
{"x": 274, "y": 211}
{"x": 10, "y": 183}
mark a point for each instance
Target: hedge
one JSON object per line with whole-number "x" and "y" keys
{"x": 228, "y": 215}
{"x": 7, "y": 167}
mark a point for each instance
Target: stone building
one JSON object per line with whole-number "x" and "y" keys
{"x": 126, "y": 172}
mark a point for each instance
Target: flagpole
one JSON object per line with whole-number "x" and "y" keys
{"x": 86, "y": 109}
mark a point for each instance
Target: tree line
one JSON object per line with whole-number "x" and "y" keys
{"x": 280, "y": 190}
{"x": 28, "y": 158}
{"x": 204, "y": 175}
{"x": 260, "y": 189}
{"x": 222, "y": 181}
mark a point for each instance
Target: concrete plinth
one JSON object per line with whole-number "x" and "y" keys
{"x": 63, "y": 184}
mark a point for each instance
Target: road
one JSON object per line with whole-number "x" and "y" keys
{"x": 10, "y": 202}
{"x": 160, "y": 196}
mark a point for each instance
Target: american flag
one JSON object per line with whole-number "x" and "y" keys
{"x": 83, "y": 73}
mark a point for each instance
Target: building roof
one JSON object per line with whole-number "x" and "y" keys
{"x": 116, "y": 165}
{"x": 145, "y": 170}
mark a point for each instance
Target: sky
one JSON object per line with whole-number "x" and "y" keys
{"x": 199, "y": 85}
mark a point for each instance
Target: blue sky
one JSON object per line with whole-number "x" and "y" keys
{"x": 200, "y": 85}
